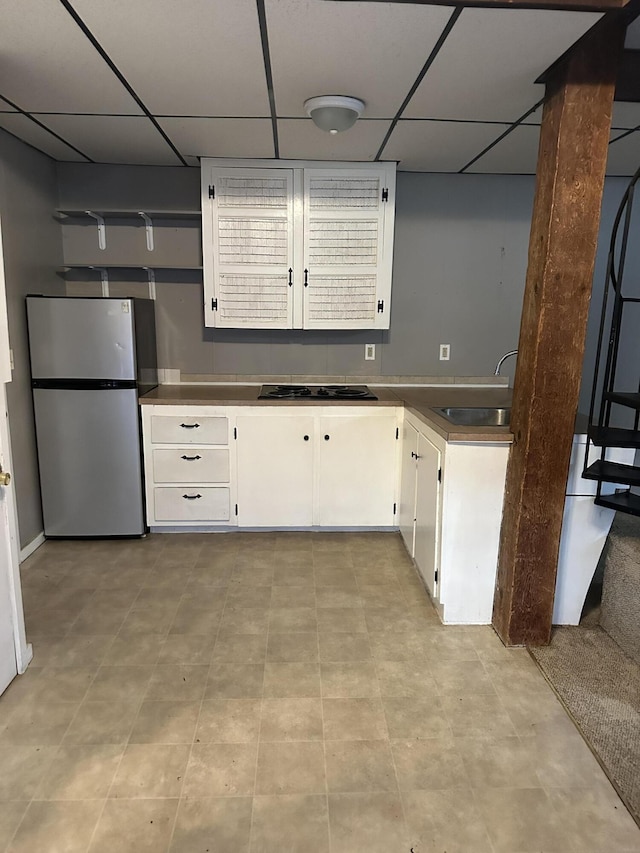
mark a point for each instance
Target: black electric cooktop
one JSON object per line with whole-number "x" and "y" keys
{"x": 315, "y": 392}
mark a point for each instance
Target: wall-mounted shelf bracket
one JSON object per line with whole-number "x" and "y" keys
{"x": 104, "y": 278}
{"x": 152, "y": 281}
{"x": 102, "y": 231}
{"x": 148, "y": 227}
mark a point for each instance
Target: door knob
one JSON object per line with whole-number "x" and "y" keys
{"x": 5, "y": 477}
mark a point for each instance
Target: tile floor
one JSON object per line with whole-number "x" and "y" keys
{"x": 280, "y": 692}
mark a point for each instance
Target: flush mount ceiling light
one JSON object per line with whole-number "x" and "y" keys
{"x": 334, "y": 112}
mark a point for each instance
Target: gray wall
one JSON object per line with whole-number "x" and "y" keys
{"x": 32, "y": 251}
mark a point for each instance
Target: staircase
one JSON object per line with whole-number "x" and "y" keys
{"x": 616, "y": 405}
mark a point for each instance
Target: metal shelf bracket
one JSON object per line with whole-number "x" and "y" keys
{"x": 102, "y": 230}
{"x": 148, "y": 227}
{"x": 152, "y": 282}
{"x": 104, "y": 278}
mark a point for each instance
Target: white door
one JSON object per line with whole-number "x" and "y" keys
{"x": 14, "y": 652}
{"x": 427, "y": 512}
{"x": 275, "y": 471}
{"x": 356, "y": 471}
{"x": 407, "y": 507}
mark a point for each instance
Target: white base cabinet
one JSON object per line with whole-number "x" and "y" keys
{"x": 452, "y": 525}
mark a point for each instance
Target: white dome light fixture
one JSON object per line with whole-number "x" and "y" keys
{"x": 334, "y": 113}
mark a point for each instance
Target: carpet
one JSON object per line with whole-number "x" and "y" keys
{"x": 600, "y": 687}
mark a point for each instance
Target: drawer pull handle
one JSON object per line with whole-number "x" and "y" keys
{"x": 189, "y": 426}
{"x": 191, "y": 497}
{"x": 191, "y": 458}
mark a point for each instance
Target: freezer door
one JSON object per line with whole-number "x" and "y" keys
{"x": 90, "y": 462}
{"x": 77, "y": 338}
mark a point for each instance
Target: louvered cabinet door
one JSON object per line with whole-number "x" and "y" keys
{"x": 248, "y": 284}
{"x": 348, "y": 246}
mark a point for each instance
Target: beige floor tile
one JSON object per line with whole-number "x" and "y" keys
{"x": 354, "y": 719}
{"x": 155, "y": 619}
{"x": 595, "y": 820}
{"x": 229, "y": 721}
{"x": 381, "y": 595}
{"x": 150, "y": 770}
{"x": 221, "y": 824}
{"x": 85, "y": 650}
{"x": 138, "y": 651}
{"x": 94, "y": 620}
{"x": 221, "y": 770}
{"x": 159, "y": 595}
{"x": 400, "y": 646}
{"x": 39, "y": 725}
{"x": 179, "y": 682}
{"x": 103, "y": 722}
{"x": 22, "y": 769}
{"x": 461, "y": 677}
{"x": 382, "y": 576}
{"x": 405, "y": 678}
{"x": 444, "y": 820}
{"x": 135, "y": 826}
{"x": 293, "y": 680}
{"x": 300, "y": 647}
{"x": 341, "y": 620}
{"x": 337, "y": 596}
{"x": 415, "y": 717}
{"x": 293, "y": 554}
{"x": 495, "y": 762}
{"x": 119, "y": 683}
{"x": 165, "y": 722}
{"x": 245, "y": 620}
{"x": 336, "y": 648}
{"x": 240, "y": 648}
{"x": 235, "y": 681}
{"x": 522, "y": 820}
{"x": 428, "y": 764}
{"x": 187, "y": 648}
{"x": 332, "y": 559}
{"x": 291, "y": 719}
{"x": 190, "y": 619}
{"x": 294, "y": 575}
{"x": 476, "y": 715}
{"x": 248, "y": 595}
{"x": 252, "y": 576}
{"x": 349, "y": 680}
{"x": 295, "y": 823}
{"x": 364, "y": 765}
{"x": 543, "y": 715}
{"x": 64, "y": 683}
{"x": 11, "y": 814}
{"x": 290, "y": 768}
{"x": 81, "y": 772}
{"x": 293, "y": 596}
{"x": 119, "y": 600}
{"x": 70, "y": 823}
{"x": 284, "y": 620}
{"x": 343, "y": 578}
{"x": 521, "y": 674}
{"x": 563, "y": 760}
{"x": 366, "y": 823}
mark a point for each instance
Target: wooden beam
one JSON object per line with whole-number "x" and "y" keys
{"x": 572, "y": 157}
{"x": 566, "y": 5}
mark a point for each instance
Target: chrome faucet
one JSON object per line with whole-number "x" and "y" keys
{"x": 503, "y": 359}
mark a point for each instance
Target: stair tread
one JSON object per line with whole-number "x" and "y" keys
{"x": 614, "y": 436}
{"x": 624, "y": 398}
{"x": 613, "y": 472}
{"x": 622, "y": 501}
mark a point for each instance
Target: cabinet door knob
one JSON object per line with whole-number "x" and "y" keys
{"x": 306, "y": 438}
{"x": 327, "y": 437}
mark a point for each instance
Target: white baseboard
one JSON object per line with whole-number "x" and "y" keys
{"x": 28, "y": 550}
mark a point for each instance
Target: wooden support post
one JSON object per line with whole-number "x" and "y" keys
{"x": 570, "y": 173}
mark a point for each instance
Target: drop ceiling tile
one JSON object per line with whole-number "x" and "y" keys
{"x": 193, "y": 57}
{"x": 438, "y": 146}
{"x": 22, "y": 127}
{"x": 372, "y": 51}
{"x": 220, "y": 137}
{"x": 301, "y": 139}
{"x": 624, "y": 156}
{"x": 516, "y": 154}
{"x": 486, "y": 69}
{"x": 114, "y": 139}
{"x": 626, "y": 115}
{"x": 632, "y": 40}
{"x": 5, "y": 107}
{"x": 48, "y": 64}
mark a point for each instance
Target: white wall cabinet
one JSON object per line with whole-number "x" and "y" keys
{"x": 324, "y": 467}
{"x": 300, "y": 246}
{"x": 189, "y": 466}
{"x": 450, "y": 516}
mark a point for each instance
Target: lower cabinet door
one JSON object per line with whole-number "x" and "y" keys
{"x": 357, "y": 471}
{"x": 275, "y": 471}
{"x": 427, "y": 512}
{"x": 191, "y": 503}
{"x": 408, "y": 473}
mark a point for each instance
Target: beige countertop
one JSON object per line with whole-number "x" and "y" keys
{"x": 419, "y": 401}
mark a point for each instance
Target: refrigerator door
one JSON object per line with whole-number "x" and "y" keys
{"x": 90, "y": 466}
{"x": 77, "y": 338}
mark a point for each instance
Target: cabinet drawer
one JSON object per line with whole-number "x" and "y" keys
{"x": 186, "y": 465}
{"x": 191, "y": 504}
{"x": 186, "y": 429}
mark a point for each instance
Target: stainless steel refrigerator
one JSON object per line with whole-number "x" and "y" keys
{"x": 90, "y": 360}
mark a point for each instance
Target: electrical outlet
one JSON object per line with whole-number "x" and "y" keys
{"x": 369, "y": 352}
{"x": 445, "y": 352}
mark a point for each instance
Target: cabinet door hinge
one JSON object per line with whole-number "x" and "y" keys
{"x": 214, "y": 304}
{"x": 236, "y": 509}
{"x": 397, "y": 433}
{"x": 235, "y": 433}
{"x": 380, "y": 306}
{"x": 435, "y": 577}
{"x": 394, "y": 509}
{"x": 385, "y": 194}
{"x": 212, "y": 191}
{"x": 439, "y": 475}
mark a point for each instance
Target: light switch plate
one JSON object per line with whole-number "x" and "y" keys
{"x": 445, "y": 352}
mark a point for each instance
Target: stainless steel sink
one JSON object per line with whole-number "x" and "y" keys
{"x": 476, "y": 415}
